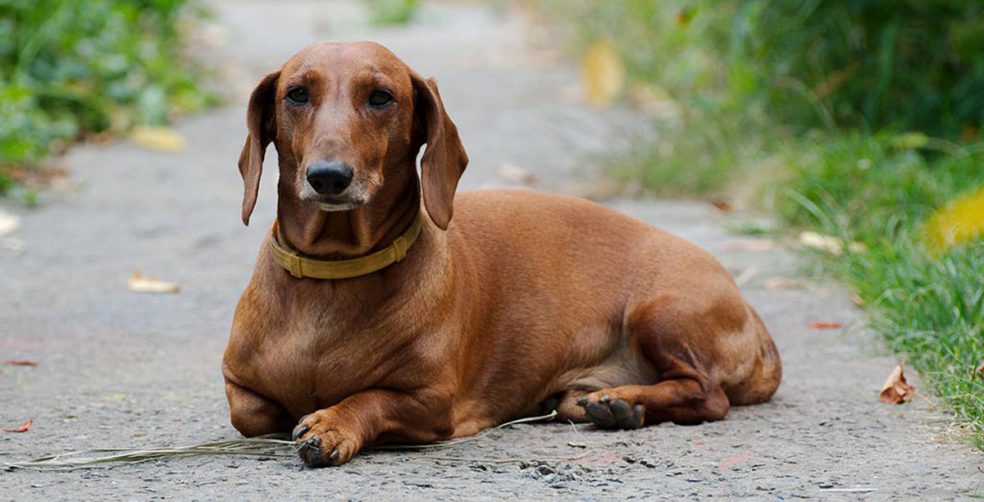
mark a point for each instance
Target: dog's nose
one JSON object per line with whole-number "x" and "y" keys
{"x": 329, "y": 178}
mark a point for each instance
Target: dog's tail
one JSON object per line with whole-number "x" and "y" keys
{"x": 767, "y": 374}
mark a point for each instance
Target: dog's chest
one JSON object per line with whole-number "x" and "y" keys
{"x": 311, "y": 355}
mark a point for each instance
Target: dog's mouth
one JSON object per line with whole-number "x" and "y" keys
{"x": 342, "y": 202}
{"x": 339, "y": 204}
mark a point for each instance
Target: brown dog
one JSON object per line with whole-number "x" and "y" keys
{"x": 524, "y": 301}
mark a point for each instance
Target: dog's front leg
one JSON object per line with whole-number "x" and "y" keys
{"x": 333, "y": 435}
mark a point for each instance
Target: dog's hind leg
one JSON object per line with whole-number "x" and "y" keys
{"x": 692, "y": 344}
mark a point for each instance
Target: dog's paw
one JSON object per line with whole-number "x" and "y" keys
{"x": 612, "y": 413}
{"x": 321, "y": 441}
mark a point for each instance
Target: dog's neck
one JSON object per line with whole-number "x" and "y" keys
{"x": 338, "y": 235}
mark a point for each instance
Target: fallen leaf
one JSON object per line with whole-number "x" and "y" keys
{"x": 979, "y": 372}
{"x": 822, "y": 242}
{"x": 722, "y": 205}
{"x": 745, "y": 275}
{"x": 142, "y": 284}
{"x": 959, "y": 221}
{"x": 855, "y": 299}
{"x": 750, "y": 245}
{"x": 782, "y": 283}
{"x": 163, "y": 139}
{"x": 603, "y": 73}
{"x": 8, "y": 223}
{"x": 825, "y": 325}
{"x": 20, "y": 362}
{"x": 22, "y": 427}
{"x": 828, "y": 244}
{"x": 896, "y": 390}
{"x": 516, "y": 174}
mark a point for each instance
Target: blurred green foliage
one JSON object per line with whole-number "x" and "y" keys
{"x": 71, "y": 68}
{"x": 870, "y": 64}
{"x": 879, "y": 190}
{"x": 908, "y": 64}
{"x": 392, "y": 11}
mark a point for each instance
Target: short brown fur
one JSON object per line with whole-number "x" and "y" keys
{"x": 522, "y": 301}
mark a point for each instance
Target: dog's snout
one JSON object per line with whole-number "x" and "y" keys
{"x": 329, "y": 177}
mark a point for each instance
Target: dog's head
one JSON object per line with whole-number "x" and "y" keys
{"x": 345, "y": 118}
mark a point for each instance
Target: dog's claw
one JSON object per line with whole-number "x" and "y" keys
{"x": 299, "y": 431}
{"x": 611, "y": 413}
{"x": 600, "y": 414}
{"x": 621, "y": 409}
{"x": 310, "y": 451}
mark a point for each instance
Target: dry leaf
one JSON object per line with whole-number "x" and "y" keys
{"x": 979, "y": 372}
{"x": 825, "y": 325}
{"x": 855, "y": 299}
{"x": 8, "y": 223}
{"x": 722, "y": 205}
{"x": 516, "y": 174}
{"x": 781, "y": 283}
{"x": 828, "y": 244}
{"x": 20, "y": 362}
{"x": 143, "y": 284}
{"x": 896, "y": 390}
{"x": 22, "y": 427}
{"x": 745, "y": 275}
{"x": 603, "y": 73}
{"x": 750, "y": 245}
{"x": 162, "y": 139}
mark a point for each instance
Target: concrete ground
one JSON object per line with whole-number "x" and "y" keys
{"x": 119, "y": 369}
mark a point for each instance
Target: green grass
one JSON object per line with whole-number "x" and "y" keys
{"x": 930, "y": 307}
{"x": 71, "y": 69}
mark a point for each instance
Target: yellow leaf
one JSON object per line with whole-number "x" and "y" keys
{"x": 603, "y": 73}
{"x": 910, "y": 141}
{"x": 960, "y": 221}
{"x": 162, "y": 139}
{"x": 140, "y": 283}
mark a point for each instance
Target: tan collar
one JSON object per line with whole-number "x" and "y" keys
{"x": 300, "y": 266}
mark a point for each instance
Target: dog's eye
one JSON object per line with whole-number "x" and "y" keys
{"x": 380, "y": 98}
{"x": 298, "y": 96}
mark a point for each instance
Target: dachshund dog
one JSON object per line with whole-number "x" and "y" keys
{"x": 372, "y": 317}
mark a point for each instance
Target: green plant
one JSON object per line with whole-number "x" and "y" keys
{"x": 69, "y": 69}
{"x": 879, "y": 190}
{"x": 392, "y": 11}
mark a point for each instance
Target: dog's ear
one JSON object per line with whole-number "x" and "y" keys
{"x": 444, "y": 159}
{"x": 261, "y": 126}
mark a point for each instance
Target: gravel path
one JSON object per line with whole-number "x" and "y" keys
{"x": 122, "y": 369}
